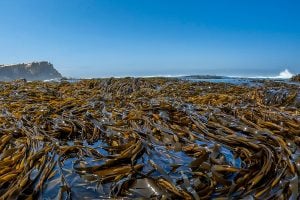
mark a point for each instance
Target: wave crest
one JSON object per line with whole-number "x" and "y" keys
{"x": 285, "y": 74}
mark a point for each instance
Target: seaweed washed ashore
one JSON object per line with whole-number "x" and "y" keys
{"x": 149, "y": 138}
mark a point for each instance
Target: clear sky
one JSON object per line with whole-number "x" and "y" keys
{"x": 93, "y": 38}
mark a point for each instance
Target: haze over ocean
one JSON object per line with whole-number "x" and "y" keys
{"x": 90, "y": 38}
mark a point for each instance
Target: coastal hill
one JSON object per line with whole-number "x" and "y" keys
{"x": 30, "y": 71}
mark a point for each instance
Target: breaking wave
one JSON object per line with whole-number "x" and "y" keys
{"x": 285, "y": 74}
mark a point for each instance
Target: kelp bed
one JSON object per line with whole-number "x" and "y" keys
{"x": 149, "y": 138}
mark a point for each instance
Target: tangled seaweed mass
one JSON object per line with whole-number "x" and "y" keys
{"x": 149, "y": 138}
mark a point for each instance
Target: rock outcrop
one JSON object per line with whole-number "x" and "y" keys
{"x": 29, "y": 71}
{"x": 296, "y": 78}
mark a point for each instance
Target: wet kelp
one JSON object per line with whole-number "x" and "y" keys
{"x": 149, "y": 138}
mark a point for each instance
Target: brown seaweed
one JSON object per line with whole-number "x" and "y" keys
{"x": 149, "y": 138}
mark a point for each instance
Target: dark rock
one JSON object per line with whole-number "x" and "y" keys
{"x": 205, "y": 77}
{"x": 296, "y": 78}
{"x": 30, "y": 71}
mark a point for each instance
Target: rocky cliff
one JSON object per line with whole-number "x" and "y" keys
{"x": 30, "y": 71}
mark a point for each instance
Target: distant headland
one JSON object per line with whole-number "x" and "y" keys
{"x": 30, "y": 71}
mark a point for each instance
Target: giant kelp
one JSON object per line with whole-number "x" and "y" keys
{"x": 149, "y": 138}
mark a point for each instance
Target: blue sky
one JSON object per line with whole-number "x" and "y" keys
{"x": 94, "y": 38}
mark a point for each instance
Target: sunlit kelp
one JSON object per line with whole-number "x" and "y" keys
{"x": 150, "y": 138}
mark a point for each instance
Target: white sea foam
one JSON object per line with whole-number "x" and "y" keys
{"x": 284, "y": 74}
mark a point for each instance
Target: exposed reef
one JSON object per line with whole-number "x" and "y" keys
{"x": 296, "y": 78}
